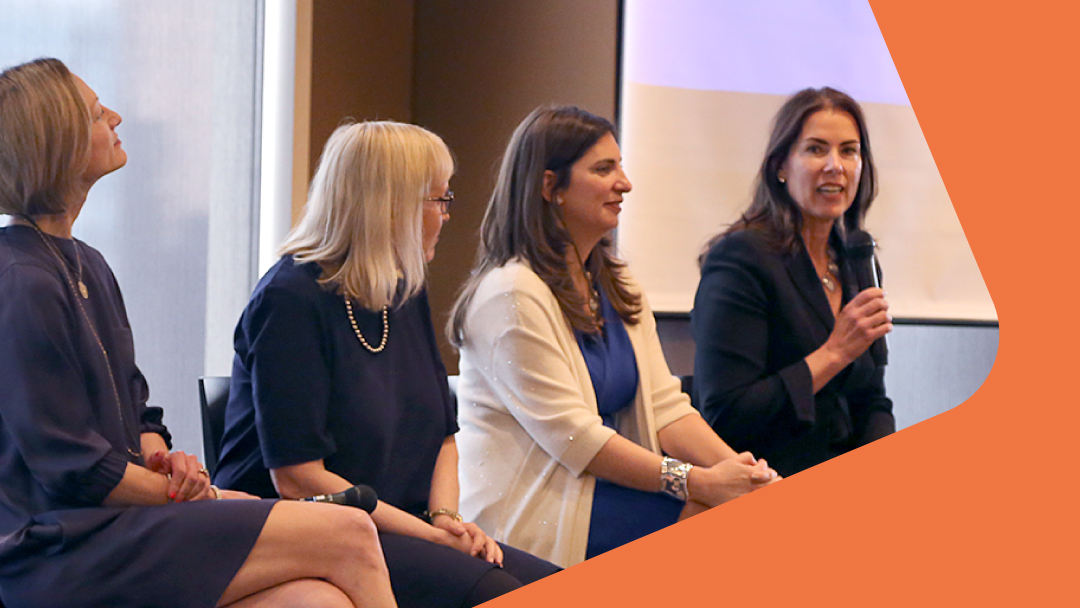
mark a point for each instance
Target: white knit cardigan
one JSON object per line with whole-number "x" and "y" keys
{"x": 529, "y": 420}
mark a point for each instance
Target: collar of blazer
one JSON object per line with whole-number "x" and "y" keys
{"x": 801, "y": 270}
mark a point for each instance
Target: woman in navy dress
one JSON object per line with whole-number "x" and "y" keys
{"x": 782, "y": 364}
{"x": 94, "y": 509}
{"x": 338, "y": 381}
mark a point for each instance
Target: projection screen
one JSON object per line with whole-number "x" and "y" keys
{"x": 700, "y": 83}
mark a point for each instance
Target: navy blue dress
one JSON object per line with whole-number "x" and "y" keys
{"x": 619, "y": 514}
{"x": 64, "y": 443}
{"x": 304, "y": 389}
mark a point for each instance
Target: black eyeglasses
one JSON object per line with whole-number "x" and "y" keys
{"x": 444, "y": 201}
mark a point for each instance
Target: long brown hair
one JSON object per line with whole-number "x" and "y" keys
{"x": 520, "y": 224}
{"x": 772, "y": 210}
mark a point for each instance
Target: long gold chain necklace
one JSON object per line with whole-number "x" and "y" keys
{"x": 356, "y": 328}
{"x": 93, "y": 330}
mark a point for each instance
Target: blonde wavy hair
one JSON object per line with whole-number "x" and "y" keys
{"x": 363, "y": 222}
{"x": 44, "y": 138}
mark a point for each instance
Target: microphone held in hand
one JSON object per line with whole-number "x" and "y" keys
{"x": 860, "y": 248}
{"x": 359, "y": 496}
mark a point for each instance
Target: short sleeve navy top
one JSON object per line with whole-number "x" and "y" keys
{"x": 304, "y": 388}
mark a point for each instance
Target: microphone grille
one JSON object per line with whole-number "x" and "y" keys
{"x": 362, "y": 496}
{"x": 860, "y": 244}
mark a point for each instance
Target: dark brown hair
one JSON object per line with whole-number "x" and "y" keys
{"x": 521, "y": 224}
{"x": 772, "y": 210}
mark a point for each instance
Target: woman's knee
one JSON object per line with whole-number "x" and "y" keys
{"x": 303, "y": 593}
{"x": 332, "y": 535}
{"x": 350, "y": 533}
{"x": 492, "y": 584}
{"x": 311, "y": 593}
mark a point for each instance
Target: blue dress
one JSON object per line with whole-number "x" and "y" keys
{"x": 304, "y": 389}
{"x": 64, "y": 441}
{"x": 619, "y": 514}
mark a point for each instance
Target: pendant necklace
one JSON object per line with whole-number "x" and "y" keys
{"x": 832, "y": 271}
{"x": 594, "y": 296}
{"x": 65, "y": 265}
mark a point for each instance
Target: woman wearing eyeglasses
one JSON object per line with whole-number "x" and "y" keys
{"x": 94, "y": 509}
{"x": 338, "y": 381}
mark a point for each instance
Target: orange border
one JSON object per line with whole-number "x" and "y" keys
{"x": 972, "y": 506}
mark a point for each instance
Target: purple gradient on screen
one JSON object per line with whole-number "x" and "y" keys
{"x": 760, "y": 46}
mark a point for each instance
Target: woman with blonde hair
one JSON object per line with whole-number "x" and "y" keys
{"x": 576, "y": 438}
{"x": 338, "y": 381}
{"x": 94, "y": 509}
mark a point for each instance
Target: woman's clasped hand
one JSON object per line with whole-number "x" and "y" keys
{"x": 467, "y": 537}
{"x": 729, "y": 479}
{"x": 188, "y": 478}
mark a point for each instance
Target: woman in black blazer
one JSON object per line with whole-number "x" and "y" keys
{"x": 782, "y": 331}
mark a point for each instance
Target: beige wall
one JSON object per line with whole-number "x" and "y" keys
{"x": 361, "y": 64}
{"x": 469, "y": 70}
{"x": 481, "y": 66}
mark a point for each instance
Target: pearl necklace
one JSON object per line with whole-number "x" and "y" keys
{"x": 356, "y": 328}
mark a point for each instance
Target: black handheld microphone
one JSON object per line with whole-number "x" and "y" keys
{"x": 860, "y": 247}
{"x": 359, "y": 496}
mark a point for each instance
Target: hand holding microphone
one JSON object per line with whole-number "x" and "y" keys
{"x": 359, "y": 496}
{"x": 864, "y": 321}
{"x": 861, "y": 247}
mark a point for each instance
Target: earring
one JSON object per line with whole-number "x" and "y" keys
{"x": 782, "y": 180}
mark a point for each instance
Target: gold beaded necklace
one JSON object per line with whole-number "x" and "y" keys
{"x": 356, "y": 328}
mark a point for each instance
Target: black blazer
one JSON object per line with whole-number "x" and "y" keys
{"x": 757, "y": 315}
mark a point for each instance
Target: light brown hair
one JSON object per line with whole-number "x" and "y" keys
{"x": 44, "y": 138}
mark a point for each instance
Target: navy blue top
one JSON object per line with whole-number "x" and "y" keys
{"x": 304, "y": 389}
{"x": 611, "y": 362}
{"x": 64, "y": 441}
{"x": 619, "y": 515}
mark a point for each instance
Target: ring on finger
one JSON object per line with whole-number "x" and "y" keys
{"x": 204, "y": 471}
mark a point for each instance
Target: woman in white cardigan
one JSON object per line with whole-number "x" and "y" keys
{"x": 575, "y": 438}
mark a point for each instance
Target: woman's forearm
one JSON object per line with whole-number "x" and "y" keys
{"x": 139, "y": 487}
{"x": 692, "y": 440}
{"x": 626, "y": 463}
{"x": 444, "y": 479}
{"x": 312, "y": 478}
{"x": 824, "y": 364}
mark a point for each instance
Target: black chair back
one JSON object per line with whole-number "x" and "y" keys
{"x": 213, "y": 396}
